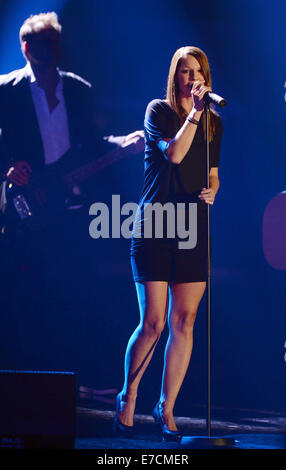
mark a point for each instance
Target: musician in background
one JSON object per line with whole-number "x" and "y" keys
{"x": 45, "y": 114}
{"x": 46, "y": 119}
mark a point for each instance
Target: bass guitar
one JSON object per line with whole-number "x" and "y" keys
{"x": 49, "y": 191}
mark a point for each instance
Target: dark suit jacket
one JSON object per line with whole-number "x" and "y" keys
{"x": 20, "y": 133}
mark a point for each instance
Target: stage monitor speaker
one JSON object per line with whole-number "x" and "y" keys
{"x": 37, "y": 409}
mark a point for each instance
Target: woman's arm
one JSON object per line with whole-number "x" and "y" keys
{"x": 176, "y": 149}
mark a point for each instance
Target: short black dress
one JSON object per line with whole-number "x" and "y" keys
{"x": 159, "y": 251}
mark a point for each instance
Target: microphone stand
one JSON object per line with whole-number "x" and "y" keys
{"x": 208, "y": 441}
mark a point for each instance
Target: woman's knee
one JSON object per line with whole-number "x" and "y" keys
{"x": 153, "y": 304}
{"x": 183, "y": 321}
{"x": 153, "y": 327}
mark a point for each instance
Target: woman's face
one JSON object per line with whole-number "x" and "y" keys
{"x": 189, "y": 71}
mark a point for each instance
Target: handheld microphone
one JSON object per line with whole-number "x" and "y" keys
{"x": 210, "y": 97}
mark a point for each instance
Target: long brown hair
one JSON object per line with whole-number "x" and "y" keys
{"x": 172, "y": 85}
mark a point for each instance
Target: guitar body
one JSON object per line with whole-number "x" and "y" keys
{"x": 274, "y": 232}
{"x": 33, "y": 206}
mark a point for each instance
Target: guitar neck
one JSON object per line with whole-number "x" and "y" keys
{"x": 81, "y": 174}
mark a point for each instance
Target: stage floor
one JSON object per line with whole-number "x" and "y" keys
{"x": 250, "y": 430}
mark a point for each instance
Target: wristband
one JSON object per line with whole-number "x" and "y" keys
{"x": 193, "y": 121}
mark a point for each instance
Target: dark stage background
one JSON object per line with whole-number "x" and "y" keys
{"x": 124, "y": 49}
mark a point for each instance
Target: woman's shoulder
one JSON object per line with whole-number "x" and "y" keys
{"x": 158, "y": 108}
{"x": 158, "y": 105}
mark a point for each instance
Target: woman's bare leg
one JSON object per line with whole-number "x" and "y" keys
{"x": 184, "y": 302}
{"x": 153, "y": 304}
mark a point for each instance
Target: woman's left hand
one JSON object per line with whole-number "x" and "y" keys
{"x": 207, "y": 195}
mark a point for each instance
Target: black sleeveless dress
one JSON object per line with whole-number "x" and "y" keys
{"x": 169, "y": 238}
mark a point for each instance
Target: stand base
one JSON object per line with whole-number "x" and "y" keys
{"x": 201, "y": 442}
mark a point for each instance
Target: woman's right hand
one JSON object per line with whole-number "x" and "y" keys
{"x": 198, "y": 91}
{"x": 19, "y": 173}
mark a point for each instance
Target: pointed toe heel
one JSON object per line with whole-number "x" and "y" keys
{"x": 167, "y": 434}
{"x": 119, "y": 428}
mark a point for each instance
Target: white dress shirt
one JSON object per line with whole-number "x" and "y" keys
{"x": 53, "y": 125}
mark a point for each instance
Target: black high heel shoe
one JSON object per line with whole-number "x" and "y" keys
{"x": 167, "y": 434}
{"x": 118, "y": 427}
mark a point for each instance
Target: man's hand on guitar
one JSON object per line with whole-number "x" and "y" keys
{"x": 136, "y": 138}
{"x": 19, "y": 173}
